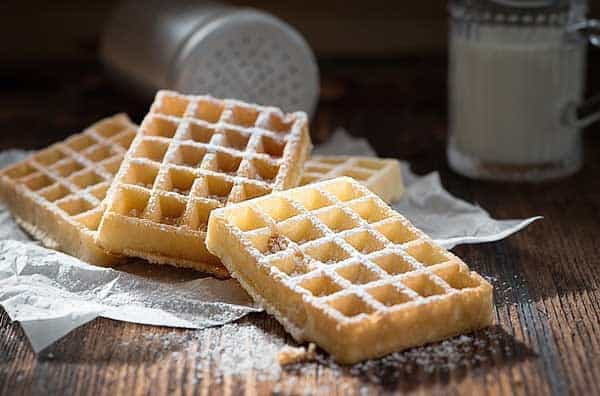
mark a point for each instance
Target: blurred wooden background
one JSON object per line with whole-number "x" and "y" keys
{"x": 68, "y": 29}
{"x": 379, "y": 58}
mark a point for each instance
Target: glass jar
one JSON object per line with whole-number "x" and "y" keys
{"x": 516, "y": 85}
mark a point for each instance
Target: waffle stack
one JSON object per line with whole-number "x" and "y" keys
{"x": 209, "y": 184}
{"x": 193, "y": 154}
{"x": 380, "y": 175}
{"x": 335, "y": 265}
{"x": 57, "y": 194}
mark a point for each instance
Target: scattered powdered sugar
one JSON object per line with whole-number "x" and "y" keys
{"x": 229, "y": 350}
{"x": 492, "y": 279}
{"x": 252, "y": 347}
{"x": 446, "y": 355}
{"x": 424, "y": 365}
{"x": 456, "y": 355}
{"x": 245, "y": 347}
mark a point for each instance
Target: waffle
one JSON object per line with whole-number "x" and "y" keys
{"x": 292, "y": 355}
{"x": 380, "y": 175}
{"x": 193, "y": 154}
{"x": 57, "y": 193}
{"x": 338, "y": 267}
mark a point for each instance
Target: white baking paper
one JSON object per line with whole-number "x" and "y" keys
{"x": 447, "y": 219}
{"x": 50, "y": 293}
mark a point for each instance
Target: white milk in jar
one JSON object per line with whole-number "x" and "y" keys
{"x": 510, "y": 78}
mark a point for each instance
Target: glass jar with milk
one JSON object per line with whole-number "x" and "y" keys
{"x": 516, "y": 85}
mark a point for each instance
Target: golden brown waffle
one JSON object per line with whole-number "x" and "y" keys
{"x": 57, "y": 193}
{"x": 338, "y": 267}
{"x": 381, "y": 175}
{"x": 193, "y": 154}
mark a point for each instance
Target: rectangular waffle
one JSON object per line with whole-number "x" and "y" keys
{"x": 193, "y": 154}
{"x": 380, "y": 175}
{"x": 338, "y": 267}
{"x": 57, "y": 193}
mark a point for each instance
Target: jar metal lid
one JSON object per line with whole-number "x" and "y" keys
{"x": 517, "y": 12}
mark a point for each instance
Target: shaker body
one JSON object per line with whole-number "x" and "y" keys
{"x": 142, "y": 38}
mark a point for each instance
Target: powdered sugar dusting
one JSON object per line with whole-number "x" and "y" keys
{"x": 457, "y": 356}
{"x": 244, "y": 348}
{"x": 251, "y": 348}
{"x": 230, "y": 350}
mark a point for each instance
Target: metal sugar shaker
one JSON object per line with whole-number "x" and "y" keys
{"x": 202, "y": 47}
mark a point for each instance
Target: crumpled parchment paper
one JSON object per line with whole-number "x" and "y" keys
{"x": 50, "y": 293}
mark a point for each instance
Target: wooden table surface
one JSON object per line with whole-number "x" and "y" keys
{"x": 547, "y": 284}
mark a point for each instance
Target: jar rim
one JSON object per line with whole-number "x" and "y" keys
{"x": 530, "y": 4}
{"x": 517, "y": 12}
{"x": 514, "y": 5}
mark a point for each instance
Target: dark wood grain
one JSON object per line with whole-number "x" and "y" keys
{"x": 547, "y": 285}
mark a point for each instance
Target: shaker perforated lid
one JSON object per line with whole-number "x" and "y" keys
{"x": 249, "y": 55}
